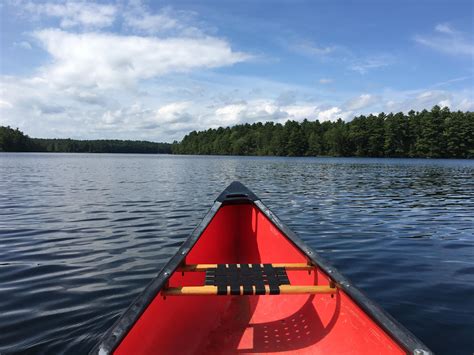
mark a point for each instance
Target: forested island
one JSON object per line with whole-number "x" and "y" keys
{"x": 438, "y": 133}
{"x": 13, "y": 140}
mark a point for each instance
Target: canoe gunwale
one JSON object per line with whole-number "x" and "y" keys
{"x": 237, "y": 193}
{"x": 389, "y": 324}
{"x": 113, "y": 337}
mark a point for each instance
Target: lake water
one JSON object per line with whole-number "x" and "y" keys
{"x": 81, "y": 235}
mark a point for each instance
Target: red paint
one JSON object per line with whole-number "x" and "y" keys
{"x": 301, "y": 324}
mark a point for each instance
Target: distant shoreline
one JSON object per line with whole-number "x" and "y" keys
{"x": 438, "y": 133}
{"x": 243, "y": 156}
{"x": 45, "y": 152}
{"x": 13, "y": 140}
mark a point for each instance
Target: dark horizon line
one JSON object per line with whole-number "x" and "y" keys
{"x": 101, "y": 139}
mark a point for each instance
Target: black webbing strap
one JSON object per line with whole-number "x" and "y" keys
{"x": 220, "y": 279}
{"x": 233, "y": 279}
{"x": 272, "y": 279}
{"x": 259, "y": 282}
{"x": 251, "y": 278}
{"x": 247, "y": 279}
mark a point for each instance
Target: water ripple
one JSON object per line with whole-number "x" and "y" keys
{"x": 82, "y": 234}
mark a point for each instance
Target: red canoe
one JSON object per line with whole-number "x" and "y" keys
{"x": 244, "y": 283}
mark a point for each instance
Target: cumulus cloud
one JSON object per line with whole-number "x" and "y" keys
{"x": 175, "y": 112}
{"x": 447, "y": 40}
{"x": 94, "y": 83}
{"x": 132, "y": 117}
{"x": 5, "y": 104}
{"x": 41, "y": 109}
{"x": 75, "y": 13}
{"x": 270, "y": 110}
{"x": 110, "y": 60}
{"x": 426, "y": 99}
{"x": 333, "y": 114}
{"x": 362, "y": 101}
{"x": 301, "y": 111}
{"x": 252, "y": 111}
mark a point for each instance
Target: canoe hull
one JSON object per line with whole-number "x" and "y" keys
{"x": 241, "y": 230}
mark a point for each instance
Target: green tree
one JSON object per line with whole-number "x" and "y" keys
{"x": 431, "y": 142}
{"x": 397, "y": 140}
{"x": 459, "y": 135}
{"x": 358, "y": 134}
{"x": 296, "y": 144}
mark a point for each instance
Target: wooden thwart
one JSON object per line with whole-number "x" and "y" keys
{"x": 212, "y": 290}
{"x": 287, "y": 266}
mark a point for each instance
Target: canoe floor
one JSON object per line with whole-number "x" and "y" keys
{"x": 297, "y": 324}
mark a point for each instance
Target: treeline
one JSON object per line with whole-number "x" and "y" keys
{"x": 13, "y": 140}
{"x": 438, "y": 133}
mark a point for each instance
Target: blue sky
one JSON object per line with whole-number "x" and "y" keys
{"x": 157, "y": 70}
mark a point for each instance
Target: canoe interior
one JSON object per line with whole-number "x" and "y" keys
{"x": 302, "y": 324}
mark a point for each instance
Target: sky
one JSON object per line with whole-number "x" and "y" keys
{"x": 156, "y": 70}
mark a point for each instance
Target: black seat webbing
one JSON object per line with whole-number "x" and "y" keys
{"x": 247, "y": 276}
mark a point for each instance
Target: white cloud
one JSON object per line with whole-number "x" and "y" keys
{"x": 22, "y": 44}
{"x": 426, "y": 99}
{"x": 301, "y": 111}
{"x": 231, "y": 114}
{"x": 341, "y": 54}
{"x": 136, "y": 16}
{"x": 75, "y": 13}
{"x": 444, "y": 28}
{"x": 310, "y": 48}
{"x": 109, "y": 60}
{"x": 451, "y": 81}
{"x": 5, "y": 104}
{"x": 362, "y": 66}
{"x": 362, "y": 101}
{"x": 269, "y": 110}
{"x": 287, "y": 97}
{"x": 466, "y": 104}
{"x": 251, "y": 111}
{"x": 112, "y": 118}
{"x": 445, "y": 103}
{"x": 43, "y": 109}
{"x": 174, "y": 112}
{"x": 151, "y": 23}
{"x": 431, "y": 95}
{"x": 447, "y": 40}
{"x": 447, "y": 45}
{"x": 96, "y": 84}
{"x": 331, "y": 114}
{"x": 325, "y": 81}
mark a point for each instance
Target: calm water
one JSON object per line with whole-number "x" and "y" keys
{"x": 81, "y": 235}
